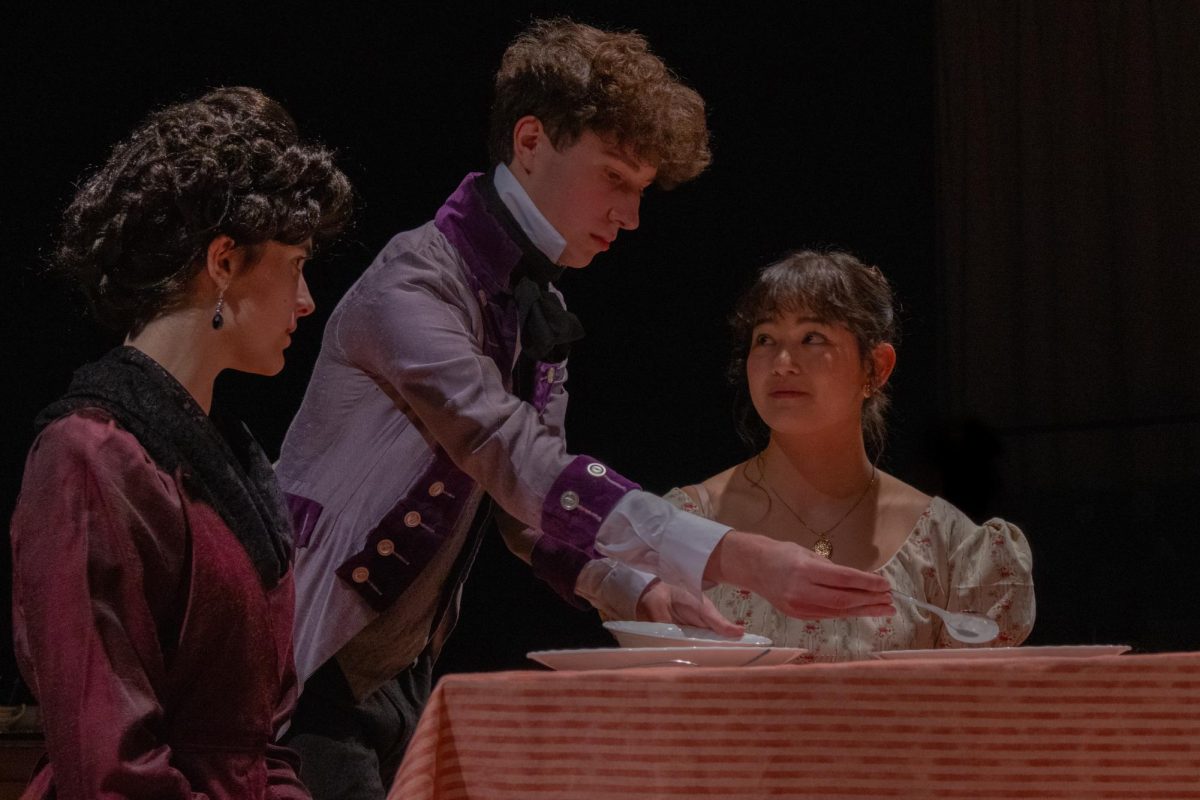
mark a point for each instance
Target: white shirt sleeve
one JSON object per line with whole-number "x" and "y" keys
{"x": 612, "y": 588}
{"x": 644, "y": 529}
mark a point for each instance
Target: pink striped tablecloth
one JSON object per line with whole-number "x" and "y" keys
{"x": 1117, "y": 726}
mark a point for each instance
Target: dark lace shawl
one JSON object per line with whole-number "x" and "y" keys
{"x": 217, "y": 459}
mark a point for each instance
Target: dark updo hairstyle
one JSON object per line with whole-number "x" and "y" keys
{"x": 229, "y": 163}
{"x": 574, "y": 77}
{"x": 835, "y": 287}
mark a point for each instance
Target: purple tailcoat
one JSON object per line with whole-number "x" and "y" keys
{"x": 409, "y": 417}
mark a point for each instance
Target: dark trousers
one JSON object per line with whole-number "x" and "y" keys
{"x": 351, "y": 751}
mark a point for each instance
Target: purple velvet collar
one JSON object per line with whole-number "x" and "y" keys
{"x": 503, "y": 265}
{"x": 486, "y": 245}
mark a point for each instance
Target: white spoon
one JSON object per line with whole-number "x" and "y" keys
{"x": 967, "y": 628}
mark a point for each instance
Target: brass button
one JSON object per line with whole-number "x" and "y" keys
{"x": 385, "y": 547}
{"x": 569, "y": 501}
{"x": 360, "y": 574}
{"x": 412, "y": 519}
{"x": 597, "y": 470}
{"x": 436, "y": 488}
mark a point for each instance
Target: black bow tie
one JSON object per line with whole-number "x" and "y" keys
{"x": 547, "y": 329}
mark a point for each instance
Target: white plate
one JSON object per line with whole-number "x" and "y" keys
{"x": 1052, "y": 651}
{"x": 664, "y": 634}
{"x": 683, "y": 657}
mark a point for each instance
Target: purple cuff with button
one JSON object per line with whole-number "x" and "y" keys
{"x": 582, "y": 496}
{"x": 558, "y": 564}
{"x": 409, "y": 535}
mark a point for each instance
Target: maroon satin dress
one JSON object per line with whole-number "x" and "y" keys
{"x": 162, "y": 666}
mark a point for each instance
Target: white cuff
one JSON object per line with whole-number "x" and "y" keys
{"x": 612, "y": 588}
{"x": 649, "y": 533}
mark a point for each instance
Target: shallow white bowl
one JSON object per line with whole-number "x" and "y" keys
{"x": 664, "y": 634}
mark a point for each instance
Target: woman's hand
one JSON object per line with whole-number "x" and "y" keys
{"x": 663, "y": 602}
{"x": 797, "y": 581}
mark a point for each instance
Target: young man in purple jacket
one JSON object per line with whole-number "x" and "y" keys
{"x": 441, "y": 380}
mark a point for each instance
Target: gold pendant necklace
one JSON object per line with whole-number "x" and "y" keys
{"x": 823, "y": 547}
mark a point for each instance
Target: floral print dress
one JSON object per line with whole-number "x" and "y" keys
{"x": 947, "y": 561}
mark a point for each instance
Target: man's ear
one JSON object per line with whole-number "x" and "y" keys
{"x": 528, "y": 138}
{"x": 222, "y": 261}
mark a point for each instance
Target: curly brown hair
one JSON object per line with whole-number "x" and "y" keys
{"x": 834, "y": 286}
{"x": 229, "y": 163}
{"x": 574, "y": 77}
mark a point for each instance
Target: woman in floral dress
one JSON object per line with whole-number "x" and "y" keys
{"x": 813, "y": 352}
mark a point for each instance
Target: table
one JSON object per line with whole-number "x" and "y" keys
{"x": 1116, "y": 726}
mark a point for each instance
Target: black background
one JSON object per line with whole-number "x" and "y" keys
{"x": 824, "y": 133}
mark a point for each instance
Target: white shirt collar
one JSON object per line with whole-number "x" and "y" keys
{"x": 521, "y": 206}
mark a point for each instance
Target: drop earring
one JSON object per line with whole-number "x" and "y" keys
{"x": 218, "y": 320}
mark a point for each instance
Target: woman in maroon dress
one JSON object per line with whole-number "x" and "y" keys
{"x": 152, "y": 587}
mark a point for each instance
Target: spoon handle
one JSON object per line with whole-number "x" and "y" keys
{"x": 918, "y": 603}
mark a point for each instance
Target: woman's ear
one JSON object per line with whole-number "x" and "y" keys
{"x": 222, "y": 261}
{"x": 883, "y": 359}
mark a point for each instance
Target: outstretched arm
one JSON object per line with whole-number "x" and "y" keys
{"x": 797, "y": 581}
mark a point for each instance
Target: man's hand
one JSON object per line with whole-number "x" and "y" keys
{"x": 796, "y": 580}
{"x": 663, "y": 602}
